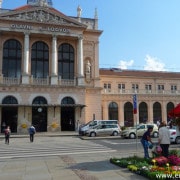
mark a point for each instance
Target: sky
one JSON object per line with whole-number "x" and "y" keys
{"x": 137, "y": 34}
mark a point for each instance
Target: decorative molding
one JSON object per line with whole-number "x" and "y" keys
{"x": 40, "y": 14}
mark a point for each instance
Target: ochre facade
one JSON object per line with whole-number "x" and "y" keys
{"x": 50, "y": 76}
{"x": 49, "y": 69}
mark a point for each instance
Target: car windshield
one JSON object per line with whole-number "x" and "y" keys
{"x": 91, "y": 123}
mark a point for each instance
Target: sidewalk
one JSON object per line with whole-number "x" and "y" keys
{"x": 63, "y": 167}
{"x": 43, "y": 134}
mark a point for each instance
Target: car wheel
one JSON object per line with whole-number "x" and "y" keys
{"x": 115, "y": 133}
{"x": 93, "y": 134}
{"x": 155, "y": 134}
{"x": 177, "y": 141}
{"x": 132, "y": 136}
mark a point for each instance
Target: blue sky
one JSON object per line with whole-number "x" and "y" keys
{"x": 137, "y": 34}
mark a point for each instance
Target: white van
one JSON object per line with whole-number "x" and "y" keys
{"x": 91, "y": 124}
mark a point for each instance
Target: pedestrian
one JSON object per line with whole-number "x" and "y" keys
{"x": 7, "y": 133}
{"x": 164, "y": 139}
{"x": 158, "y": 123}
{"x": 32, "y": 131}
{"x": 146, "y": 140}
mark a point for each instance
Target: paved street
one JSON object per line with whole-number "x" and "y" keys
{"x": 61, "y": 157}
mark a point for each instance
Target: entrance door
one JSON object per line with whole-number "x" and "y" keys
{"x": 39, "y": 118}
{"x": 39, "y": 114}
{"x": 67, "y": 119}
{"x": 9, "y": 118}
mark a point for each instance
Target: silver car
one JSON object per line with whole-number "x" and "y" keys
{"x": 105, "y": 129}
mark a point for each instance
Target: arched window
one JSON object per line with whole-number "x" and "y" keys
{"x": 143, "y": 112}
{"x": 67, "y": 100}
{"x": 170, "y": 106}
{"x": 66, "y": 61}
{"x": 157, "y": 112}
{"x": 9, "y": 100}
{"x": 12, "y": 55}
{"x": 39, "y": 100}
{"x": 128, "y": 114}
{"x": 40, "y": 60}
{"x": 113, "y": 111}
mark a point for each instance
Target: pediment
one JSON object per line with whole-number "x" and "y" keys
{"x": 41, "y": 15}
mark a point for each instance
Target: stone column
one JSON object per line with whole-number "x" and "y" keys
{"x": 54, "y": 76}
{"x": 80, "y": 62}
{"x": 121, "y": 113}
{"x": 25, "y": 75}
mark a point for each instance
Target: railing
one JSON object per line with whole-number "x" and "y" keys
{"x": 40, "y": 81}
{"x": 67, "y": 82}
{"x": 37, "y": 81}
{"x": 10, "y": 81}
{"x": 140, "y": 91}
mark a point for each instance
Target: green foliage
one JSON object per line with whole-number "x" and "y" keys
{"x": 175, "y": 152}
{"x": 145, "y": 167}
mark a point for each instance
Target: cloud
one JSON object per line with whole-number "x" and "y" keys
{"x": 153, "y": 63}
{"x": 125, "y": 64}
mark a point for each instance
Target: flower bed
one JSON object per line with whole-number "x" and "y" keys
{"x": 155, "y": 168}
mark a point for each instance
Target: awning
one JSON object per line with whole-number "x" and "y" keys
{"x": 43, "y": 105}
{"x": 175, "y": 112}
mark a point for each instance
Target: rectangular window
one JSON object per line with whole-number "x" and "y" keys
{"x": 148, "y": 88}
{"x": 135, "y": 88}
{"x": 107, "y": 87}
{"x": 121, "y": 88}
{"x": 173, "y": 88}
{"x": 160, "y": 88}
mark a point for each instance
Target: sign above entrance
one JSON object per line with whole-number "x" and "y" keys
{"x": 40, "y": 28}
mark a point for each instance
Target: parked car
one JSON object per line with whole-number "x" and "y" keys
{"x": 132, "y": 132}
{"x": 174, "y": 136}
{"x": 105, "y": 129}
{"x": 91, "y": 124}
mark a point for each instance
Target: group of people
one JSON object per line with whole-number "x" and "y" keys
{"x": 7, "y": 133}
{"x": 163, "y": 140}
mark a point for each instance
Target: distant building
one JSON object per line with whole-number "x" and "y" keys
{"x": 157, "y": 93}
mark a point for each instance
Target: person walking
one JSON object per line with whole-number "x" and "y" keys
{"x": 7, "y": 132}
{"x": 32, "y": 131}
{"x": 164, "y": 139}
{"x": 146, "y": 138}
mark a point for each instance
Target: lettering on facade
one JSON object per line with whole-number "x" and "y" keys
{"x": 50, "y": 29}
{"x": 54, "y": 29}
{"x": 21, "y": 26}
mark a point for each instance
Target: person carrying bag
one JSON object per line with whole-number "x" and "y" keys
{"x": 146, "y": 141}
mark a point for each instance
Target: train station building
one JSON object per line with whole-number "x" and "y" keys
{"x": 50, "y": 75}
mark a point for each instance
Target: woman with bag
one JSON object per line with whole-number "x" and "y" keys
{"x": 164, "y": 139}
{"x": 146, "y": 141}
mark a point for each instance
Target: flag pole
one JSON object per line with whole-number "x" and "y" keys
{"x": 135, "y": 110}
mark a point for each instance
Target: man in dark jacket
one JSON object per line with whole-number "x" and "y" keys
{"x": 32, "y": 131}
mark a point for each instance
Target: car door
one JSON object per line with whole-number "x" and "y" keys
{"x": 108, "y": 129}
{"x": 141, "y": 129}
{"x": 100, "y": 130}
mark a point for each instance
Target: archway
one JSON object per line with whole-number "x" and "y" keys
{"x": 128, "y": 114}
{"x": 143, "y": 112}
{"x": 169, "y": 107}
{"x": 113, "y": 111}
{"x": 67, "y": 114}
{"x": 39, "y": 114}
{"x": 157, "y": 112}
{"x": 9, "y": 113}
